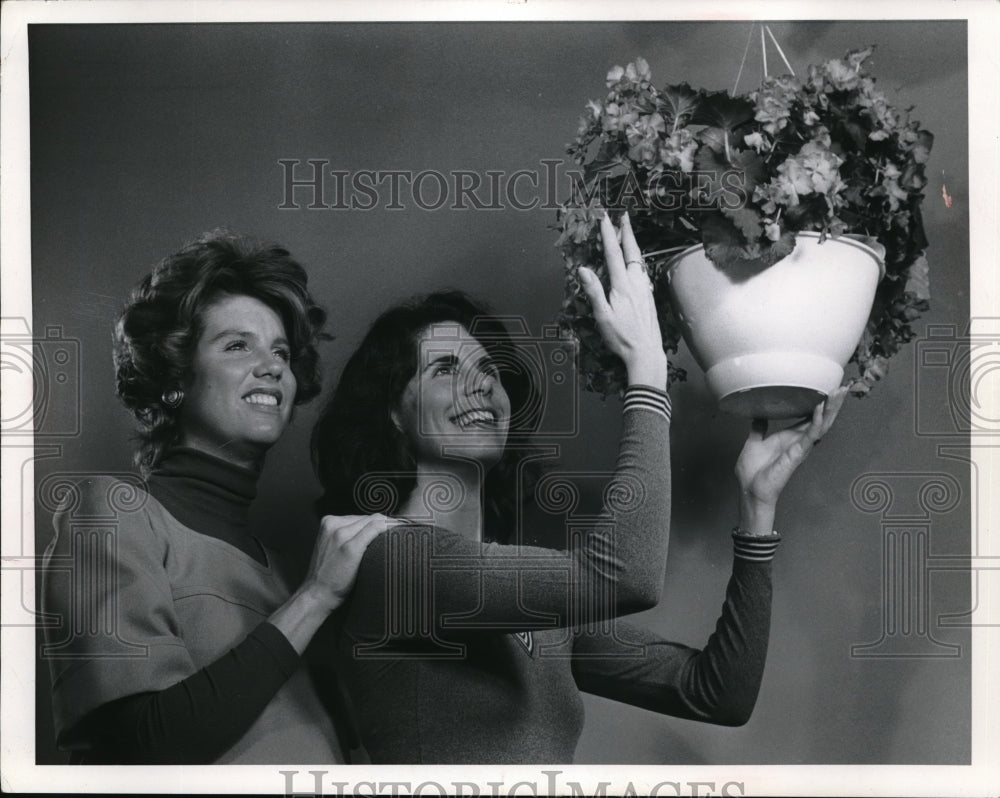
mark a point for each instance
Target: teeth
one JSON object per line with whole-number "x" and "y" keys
{"x": 261, "y": 399}
{"x": 476, "y": 417}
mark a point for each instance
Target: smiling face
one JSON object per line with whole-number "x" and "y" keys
{"x": 239, "y": 395}
{"x": 454, "y": 400}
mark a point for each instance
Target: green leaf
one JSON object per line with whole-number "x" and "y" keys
{"x": 718, "y": 109}
{"x": 747, "y": 221}
{"x": 607, "y": 157}
{"x": 855, "y": 58}
{"x": 858, "y": 134}
{"x": 751, "y": 168}
{"x": 727, "y": 247}
{"x": 729, "y": 183}
{"x": 809, "y": 214}
{"x": 678, "y": 104}
{"x": 713, "y": 137}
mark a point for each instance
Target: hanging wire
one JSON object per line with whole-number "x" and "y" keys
{"x": 743, "y": 62}
{"x": 763, "y": 50}
{"x": 780, "y": 51}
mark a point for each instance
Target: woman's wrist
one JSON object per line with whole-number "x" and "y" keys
{"x": 303, "y": 613}
{"x": 651, "y": 370}
{"x": 317, "y": 597}
{"x": 756, "y": 517}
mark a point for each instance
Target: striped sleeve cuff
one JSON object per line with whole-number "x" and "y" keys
{"x": 755, "y": 548}
{"x": 645, "y": 398}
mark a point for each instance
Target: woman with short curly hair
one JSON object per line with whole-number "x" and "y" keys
{"x": 162, "y": 322}
{"x": 203, "y": 660}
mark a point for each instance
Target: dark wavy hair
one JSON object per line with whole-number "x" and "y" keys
{"x": 355, "y": 436}
{"x": 159, "y": 327}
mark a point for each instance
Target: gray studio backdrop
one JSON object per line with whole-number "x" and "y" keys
{"x": 143, "y": 136}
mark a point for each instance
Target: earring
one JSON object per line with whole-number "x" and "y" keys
{"x": 172, "y": 398}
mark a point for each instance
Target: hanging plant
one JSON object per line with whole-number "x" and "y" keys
{"x": 742, "y": 175}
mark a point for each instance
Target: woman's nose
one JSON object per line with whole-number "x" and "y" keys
{"x": 479, "y": 382}
{"x": 270, "y": 365}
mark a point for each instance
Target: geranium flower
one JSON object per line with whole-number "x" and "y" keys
{"x": 843, "y": 75}
{"x": 815, "y": 169}
{"x": 617, "y": 117}
{"x": 883, "y": 115}
{"x": 755, "y": 141}
{"x": 840, "y": 75}
{"x": 678, "y": 150}
{"x": 644, "y": 138}
{"x": 774, "y": 102}
{"x": 633, "y": 76}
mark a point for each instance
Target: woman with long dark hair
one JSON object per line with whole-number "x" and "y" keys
{"x": 459, "y": 644}
{"x": 198, "y": 656}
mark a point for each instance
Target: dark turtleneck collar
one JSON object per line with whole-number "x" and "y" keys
{"x": 209, "y": 495}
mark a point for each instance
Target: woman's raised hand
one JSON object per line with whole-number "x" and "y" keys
{"x": 626, "y": 318}
{"x": 768, "y": 461}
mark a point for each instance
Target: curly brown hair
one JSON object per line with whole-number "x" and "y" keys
{"x": 158, "y": 330}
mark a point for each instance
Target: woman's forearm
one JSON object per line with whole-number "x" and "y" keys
{"x": 641, "y": 520}
{"x": 197, "y": 719}
{"x": 717, "y": 684}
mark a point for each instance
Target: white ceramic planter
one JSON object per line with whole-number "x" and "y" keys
{"x": 774, "y": 344}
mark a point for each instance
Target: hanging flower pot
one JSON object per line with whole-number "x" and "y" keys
{"x": 773, "y": 342}
{"x": 730, "y": 195}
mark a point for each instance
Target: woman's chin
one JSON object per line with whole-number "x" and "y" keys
{"x": 460, "y": 448}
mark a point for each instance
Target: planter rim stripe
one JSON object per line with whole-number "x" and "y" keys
{"x": 843, "y": 239}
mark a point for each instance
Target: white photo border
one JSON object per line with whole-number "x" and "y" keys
{"x": 17, "y": 757}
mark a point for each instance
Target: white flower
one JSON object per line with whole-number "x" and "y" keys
{"x": 754, "y": 140}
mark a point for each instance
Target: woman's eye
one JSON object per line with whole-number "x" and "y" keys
{"x": 284, "y": 354}
{"x": 234, "y": 346}
{"x": 444, "y": 369}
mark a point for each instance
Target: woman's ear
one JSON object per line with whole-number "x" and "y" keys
{"x": 396, "y": 419}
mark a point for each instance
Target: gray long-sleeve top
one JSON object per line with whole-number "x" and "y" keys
{"x": 456, "y": 651}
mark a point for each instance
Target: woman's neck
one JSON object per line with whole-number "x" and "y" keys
{"x": 209, "y": 495}
{"x": 243, "y": 456}
{"x": 448, "y": 496}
